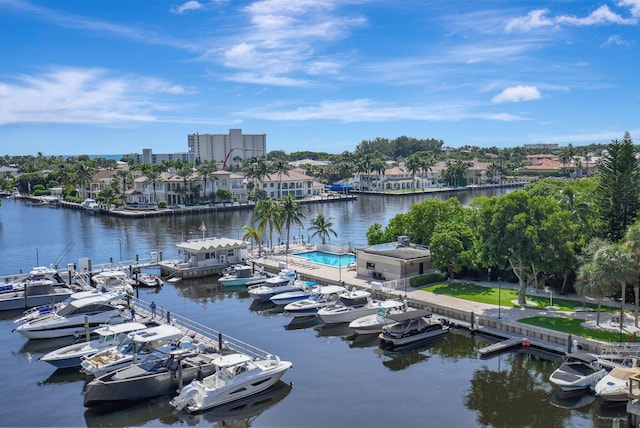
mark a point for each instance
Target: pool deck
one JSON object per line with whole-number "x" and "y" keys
{"x": 501, "y": 321}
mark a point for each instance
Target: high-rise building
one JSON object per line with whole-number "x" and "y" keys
{"x": 227, "y": 149}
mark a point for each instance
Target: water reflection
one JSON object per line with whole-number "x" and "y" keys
{"x": 66, "y": 375}
{"x": 571, "y": 400}
{"x": 333, "y": 330}
{"x": 158, "y": 411}
{"x": 364, "y": 340}
{"x": 400, "y": 360}
{"x": 301, "y": 323}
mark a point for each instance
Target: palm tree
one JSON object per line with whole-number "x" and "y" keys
{"x": 290, "y": 214}
{"x": 254, "y": 235}
{"x": 588, "y": 284}
{"x": 632, "y": 245}
{"x": 206, "y": 168}
{"x": 267, "y": 213}
{"x": 613, "y": 265}
{"x": 379, "y": 167}
{"x": 413, "y": 165}
{"x": 83, "y": 175}
{"x": 280, "y": 167}
{"x": 322, "y": 227}
{"x": 123, "y": 176}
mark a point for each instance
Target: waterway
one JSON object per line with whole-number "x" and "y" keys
{"x": 338, "y": 379}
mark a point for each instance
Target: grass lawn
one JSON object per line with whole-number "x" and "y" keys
{"x": 572, "y": 326}
{"x": 478, "y": 293}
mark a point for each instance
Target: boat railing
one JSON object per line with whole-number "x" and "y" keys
{"x": 626, "y": 349}
{"x": 202, "y": 332}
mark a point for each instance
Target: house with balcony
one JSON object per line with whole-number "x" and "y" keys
{"x": 296, "y": 183}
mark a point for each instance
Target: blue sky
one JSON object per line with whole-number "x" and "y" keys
{"x": 101, "y": 77}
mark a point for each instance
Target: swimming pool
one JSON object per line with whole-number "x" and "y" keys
{"x": 330, "y": 259}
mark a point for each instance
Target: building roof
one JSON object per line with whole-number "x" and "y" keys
{"x": 210, "y": 244}
{"x": 397, "y": 251}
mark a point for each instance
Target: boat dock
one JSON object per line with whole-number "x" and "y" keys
{"x": 509, "y": 343}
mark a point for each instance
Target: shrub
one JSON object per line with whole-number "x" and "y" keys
{"x": 430, "y": 278}
{"x": 162, "y": 203}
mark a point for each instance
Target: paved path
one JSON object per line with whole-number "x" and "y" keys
{"x": 350, "y": 278}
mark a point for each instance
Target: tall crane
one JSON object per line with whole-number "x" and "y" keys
{"x": 224, "y": 164}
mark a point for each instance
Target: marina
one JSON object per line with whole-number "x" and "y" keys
{"x": 463, "y": 397}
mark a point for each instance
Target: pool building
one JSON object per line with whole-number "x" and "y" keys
{"x": 391, "y": 261}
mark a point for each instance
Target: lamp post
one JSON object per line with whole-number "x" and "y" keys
{"x": 499, "y": 290}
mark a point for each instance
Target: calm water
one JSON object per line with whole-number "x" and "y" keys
{"x": 338, "y": 380}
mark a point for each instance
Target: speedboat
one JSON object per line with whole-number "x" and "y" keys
{"x": 132, "y": 350}
{"x": 237, "y": 376}
{"x": 155, "y": 376}
{"x": 147, "y": 280}
{"x": 580, "y": 370}
{"x": 108, "y": 336}
{"x": 281, "y": 299}
{"x": 43, "y": 286}
{"x": 113, "y": 280}
{"x": 240, "y": 275}
{"x": 76, "y": 317}
{"x": 324, "y": 296}
{"x": 614, "y": 386}
{"x": 44, "y": 310}
{"x": 411, "y": 328}
{"x": 343, "y": 313}
{"x": 284, "y": 282}
{"x": 372, "y": 324}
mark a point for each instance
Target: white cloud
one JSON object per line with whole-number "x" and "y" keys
{"x": 80, "y": 95}
{"x": 538, "y": 19}
{"x": 616, "y": 40}
{"x": 517, "y": 94}
{"x": 190, "y": 5}
{"x": 633, "y": 5}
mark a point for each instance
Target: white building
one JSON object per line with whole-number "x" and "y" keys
{"x": 227, "y": 149}
{"x": 151, "y": 158}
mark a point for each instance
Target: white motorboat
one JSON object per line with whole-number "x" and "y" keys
{"x": 580, "y": 370}
{"x": 241, "y": 275}
{"x": 133, "y": 350}
{"x": 411, "y": 328}
{"x": 147, "y": 280}
{"x": 45, "y": 310}
{"x": 108, "y": 336}
{"x": 343, "y": 313}
{"x": 285, "y": 281}
{"x": 76, "y": 317}
{"x": 325, "y": 296}
{"x": 113, "y": 280}
{"x": 614, "y": 386}
{"x": 237, "y": 376}
{"x": 372, "y": 324}
{"x": 153, "y": 377}
{"x": 43, "y": 286}
{"x": 308, "y": 288}
{"x": 91, "y": 206}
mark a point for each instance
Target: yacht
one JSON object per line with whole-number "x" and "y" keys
{"x": 411, "y": 328}
{"x": 237, "y": 376}
{"x": 241, "y": 275}
{"x": 43, "y": 286}
{"x": 281, "y": 299}
{"x": 132, "y": 350}
{"x": 91, "y": 206}
{"x": 580, "y": 370}
{"x": 614, "y": 386}
{"x": 324, "y": 296}
{"x": 108, "y": 336}
{"x": 285, "y": 281}
{"x": 344, "y": 313}
{"x": 372, "y": 324}
{"x": 113, "y": 280}
{"x": 76, "y": 317}
{"x": 155, "y": 376}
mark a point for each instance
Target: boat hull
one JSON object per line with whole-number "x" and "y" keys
{"x": 68, "y": 327}
{"x": 390, "y": 342}
{"x": 237, "y": 390}
{"x": 110, "y": 390}
{"x": 17, "y": 300}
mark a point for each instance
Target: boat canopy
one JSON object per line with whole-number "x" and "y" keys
{"x": 409, "y": 315}
{"x": 152, "y": 334}
{"x": 231, "y": 360}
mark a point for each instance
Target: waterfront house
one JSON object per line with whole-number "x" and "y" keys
{"x": 200, "y": 258}
{"x": 296, "y": 183}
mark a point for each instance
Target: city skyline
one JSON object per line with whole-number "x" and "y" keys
{"x": 318, "y": 75}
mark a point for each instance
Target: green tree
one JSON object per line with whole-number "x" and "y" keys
{"x": 290, "y": 214}
{"x": 632, "y": 246}
{"x": 618, "y": 188}
{"x": 322, "y": 227}
{"x": 206, "y": 169}
{"x": 614, "y": 265}
{"x": 267, "y": 214}
{"x": 375, "y": 234}
{"x": 280, "y": 167}
{"x": 255, "y": 235}
{"x": 452, "y": 246}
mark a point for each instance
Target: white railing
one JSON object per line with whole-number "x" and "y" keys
{"x": 201, "y": 332}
